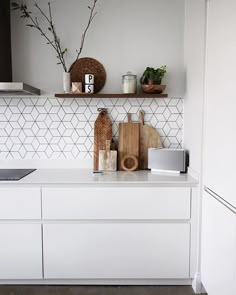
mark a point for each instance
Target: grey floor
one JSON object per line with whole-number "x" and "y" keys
{"x": 96, "y": 290}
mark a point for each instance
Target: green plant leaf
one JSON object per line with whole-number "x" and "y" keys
{"x": 152, "y": 76}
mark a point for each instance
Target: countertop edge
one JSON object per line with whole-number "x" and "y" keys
{"x": 85, "y": 177}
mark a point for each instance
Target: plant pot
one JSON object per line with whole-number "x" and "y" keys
{"x": 66, "y": 82}
{"x": 153, "y": 88}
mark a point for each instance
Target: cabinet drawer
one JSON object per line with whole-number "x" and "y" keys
{"x": 116, "y": 203}
{"x": 20, "y": 203}
{"x": 116, "y": 251}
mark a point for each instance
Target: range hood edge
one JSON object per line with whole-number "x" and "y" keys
{"x": 17, "y": 88}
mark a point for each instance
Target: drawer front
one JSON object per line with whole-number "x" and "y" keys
{"x": 116, "y": 251}
{"x": 116, "y": 203}
{"x": 20, "y": 203}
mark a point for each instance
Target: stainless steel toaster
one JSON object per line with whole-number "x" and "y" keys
{"x": 168, "y": 160}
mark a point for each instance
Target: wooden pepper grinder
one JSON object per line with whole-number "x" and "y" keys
{"x": 102, "y": 132}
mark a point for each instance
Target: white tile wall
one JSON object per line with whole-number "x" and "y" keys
{"x": 55, "y": 128}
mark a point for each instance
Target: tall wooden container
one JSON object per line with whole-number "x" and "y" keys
{"x": 102, "y": 132}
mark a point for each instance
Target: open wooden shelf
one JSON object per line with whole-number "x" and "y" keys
{"x": 112, "y": 95}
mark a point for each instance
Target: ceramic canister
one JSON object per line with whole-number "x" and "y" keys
{"x": 129, "y": 83}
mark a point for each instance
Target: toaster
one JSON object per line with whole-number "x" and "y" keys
{"x": 168, "y": 160}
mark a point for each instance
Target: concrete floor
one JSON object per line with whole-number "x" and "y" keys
{"x": 96, "y": 290}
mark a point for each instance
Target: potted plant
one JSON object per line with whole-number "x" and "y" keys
{"x": 151, "y": 80}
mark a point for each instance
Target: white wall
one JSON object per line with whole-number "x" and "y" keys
{"x": 126, "y": 35}
{"x": 195, "y": 74}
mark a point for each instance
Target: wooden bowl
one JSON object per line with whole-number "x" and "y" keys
{"x": 153, "y": 88}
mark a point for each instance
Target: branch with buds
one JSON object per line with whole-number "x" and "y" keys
{"x": 91, "y": 17}
{"x": 50, "y": 34}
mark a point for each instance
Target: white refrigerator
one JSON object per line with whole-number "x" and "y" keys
{"x": 218, "y": 257}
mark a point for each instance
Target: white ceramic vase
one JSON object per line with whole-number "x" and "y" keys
{"x": 66, "y": 82}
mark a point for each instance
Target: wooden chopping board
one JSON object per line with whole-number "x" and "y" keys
{"x": 149, "y": 138}
{"x": 128, "y": 143}
{"x": 102, "y": 133}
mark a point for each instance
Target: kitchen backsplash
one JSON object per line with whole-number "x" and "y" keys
{"x": 57, "y": 128}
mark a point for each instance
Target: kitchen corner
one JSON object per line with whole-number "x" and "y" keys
{"x": 113, "y": 177}
{"x": 94, "y": 226}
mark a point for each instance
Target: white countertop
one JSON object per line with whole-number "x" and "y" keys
{"x": 86, "y": 176}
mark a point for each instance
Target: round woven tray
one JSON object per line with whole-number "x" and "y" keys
{"x": 88, "y": 65}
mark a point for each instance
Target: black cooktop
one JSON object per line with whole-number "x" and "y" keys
{"x": 14, "y": 174}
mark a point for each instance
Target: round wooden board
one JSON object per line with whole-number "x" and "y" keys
{"x": 87, "y": 65}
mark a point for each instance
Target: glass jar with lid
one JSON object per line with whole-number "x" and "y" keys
{"x": 129, "y": 83}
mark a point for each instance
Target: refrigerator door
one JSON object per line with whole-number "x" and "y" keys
{"x": 218, "y": 243}
{"x": 220, "y": 111}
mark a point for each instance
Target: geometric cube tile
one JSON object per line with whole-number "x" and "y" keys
{"x": 58, "y": 128}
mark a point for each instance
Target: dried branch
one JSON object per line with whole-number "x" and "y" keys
{"x": 55, "y": 42}
{"x": 52, "y": 29}
{"x": 91, "y": 17}
{"x": 33, "y": 23}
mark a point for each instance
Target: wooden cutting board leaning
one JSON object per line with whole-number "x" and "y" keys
{"x": 134, "y": 140}
{"x": 149, "y": 138}
{"x": 128, "y": 145}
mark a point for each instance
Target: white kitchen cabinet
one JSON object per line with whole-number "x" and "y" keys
{"x": 91, "y": 233}
{"x": 20, "y": 251}
{"x": 116, "y": 203}
{"x": 218, "y": 264}
{"x": 116, "y": 250}
{"x": 20, "y": 203}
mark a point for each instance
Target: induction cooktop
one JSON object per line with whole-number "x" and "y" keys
{"x": 14, "y": 174}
